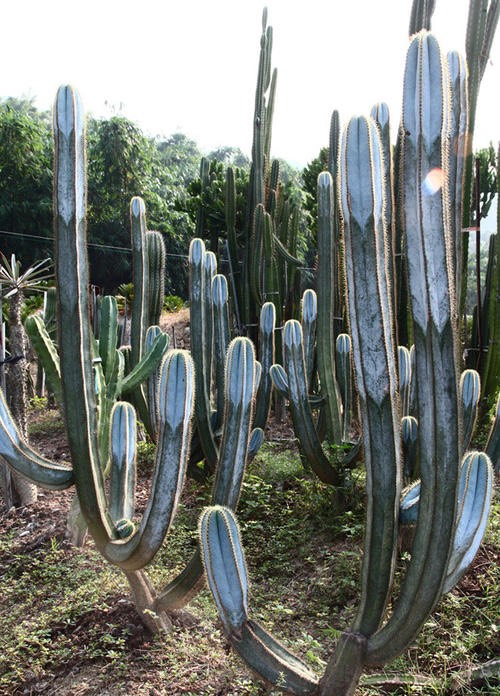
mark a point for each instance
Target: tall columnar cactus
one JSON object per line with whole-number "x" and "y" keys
{"x": 263, "y": 255}
{"x": 454, "y": 497}
{"x": 110, "y": 515}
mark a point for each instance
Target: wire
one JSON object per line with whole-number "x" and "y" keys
{"x": 89, "y": 244}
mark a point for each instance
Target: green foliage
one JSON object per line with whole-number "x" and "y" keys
{"x": 173, "y": 303}
{"x": 310, "y": 175}
{"x": 26, "y": 181}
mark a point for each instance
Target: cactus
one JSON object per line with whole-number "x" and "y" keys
{"x": 262, "y": 255}
{"x": 299, "y": 357}
{"x": 453, "y": 498}
{"x": 85, "y": 364}
{"x": 209, "y": 308}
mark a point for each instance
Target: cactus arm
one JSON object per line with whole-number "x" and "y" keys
{"x": 308, "y": 322}
{"x": 72, "y": 284}
{"x": 470, "y": 390}
{"x": 404, "y": 371}
{"x": 156, "y": 276}
{"x": 409, "y": 439}
{"x": 123, "y": 465}
{"x": 300, "y": 409}
{"x": 239, "y": 393}
{"x": 209, "y": 271}
{"x": 200, "y": 351}
{"x": 257, "y": 253}
{"x": 421, "y": 15}
{"x": 408, "y": 509}
{"x": 255, "y": 442}
{"x": 267, "y": 326}
{"x": 153, "y": 379}
{"x": 327, "y": 283}
{"x": 493, "y": 443}
{"x": 370, "y": 315}
{"x": 140, "y": 269}
{"x": 221, "y": 337}
{"x": 280, "y": 380}
{"x": 46, "y": 352}
{"x": 380, "y": 114}
{"x": 108, "y": 334}
{"x": 475, "y": 492}
{"x": 24, "y": 460}
{"x": 149, "y": 362}
{"x": 459, "y": 116}
{"x": 482, "y": 22}
{"x": 227, "y": 578}
{"x": 225, "y": 566}
{"x": 283, "y": 252}
{"x": 176, "y": 396}
{"x": 343, "y": 360}
{"x": 432, "y": 301}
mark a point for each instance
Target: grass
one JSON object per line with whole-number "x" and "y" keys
{"x": 66, "y": 626}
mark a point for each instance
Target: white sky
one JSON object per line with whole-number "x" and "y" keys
{"x": 190, "y": 65}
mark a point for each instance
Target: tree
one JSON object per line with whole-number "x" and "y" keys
{"x": 310, "y": 175}
{"x": 25, "y": 181}
{"x": 122, "y": 163}
{"x": 229, "y": 156}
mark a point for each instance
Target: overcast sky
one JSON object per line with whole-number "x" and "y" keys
{"x": 190, "y": 65}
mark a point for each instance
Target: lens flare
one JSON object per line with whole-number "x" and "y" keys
{"x": 433, "y": 181}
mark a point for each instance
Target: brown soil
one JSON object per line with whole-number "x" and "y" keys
{"x": 176, "y": 324}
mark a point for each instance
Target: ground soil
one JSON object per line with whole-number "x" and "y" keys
{"x": 38, "y": 525}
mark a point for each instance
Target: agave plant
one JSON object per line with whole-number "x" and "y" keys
{"x": 14, "y": 284}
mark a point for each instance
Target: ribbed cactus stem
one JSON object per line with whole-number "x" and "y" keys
{"x": 241, "y": 381}
{"x": 220, "y": 299}
{"x": 140, "y": 267}
{"x": 470, "y": 390}
{"x": 74, "y": 331}
{"x": 370, "y": 320}
{"x": 108, "y": 334}
{"x": 457, "y": 153}
{"x": 343, "y": 359}
{"x": 432, "y": 295}
{"x": 156, "y": 276}
{"x": 309, "y": 322}
{"x": 327, "y": 288}
{"x": 176, "y": 402}
{"x": 267, "y": 325}
{"x": 123, "y": 469}
{"x": 404, "y": 369}
{"x": 25, "y": 460}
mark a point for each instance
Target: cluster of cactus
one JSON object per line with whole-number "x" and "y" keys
{"x": 91, "y": 381}
{"x": 210, "y": 324}
{"x": 416, "y": 414}
{"x": 263, "y": 256}
{"x": 454, "y": 494}
{"x": 313, "y": 355}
